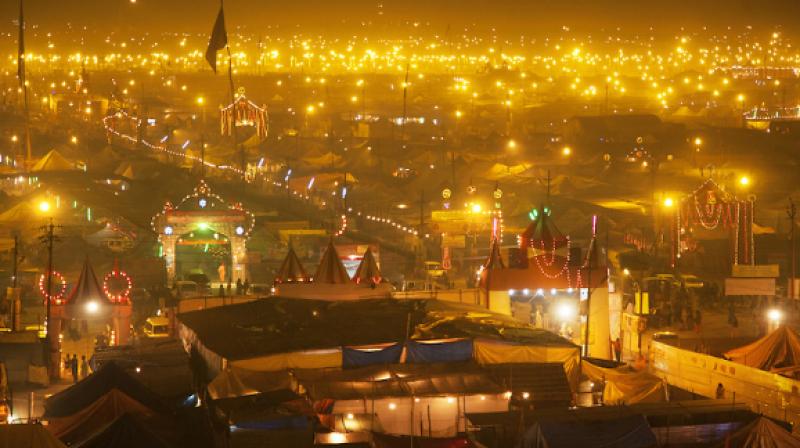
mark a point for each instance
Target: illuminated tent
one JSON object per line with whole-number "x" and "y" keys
{"x": 775, "y": 351}
{"x": 87, "y": 297}
{"x": 500, "y": 171}
{"x": 368, "y": 271}
{"x": 22, "y": 212}
{"x": 53, "y": 161}
{"x": 624, "y": 385}
{"x": 291, "y": 270}
{"x": 328, "y": 159}
{"x": 330, "y": 269}
{"x": 31, "y": 435}
{"x": 760, "y": 433}
{"x": 542, "y": 233}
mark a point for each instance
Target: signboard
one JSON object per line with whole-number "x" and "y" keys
{"x": 749, "y": 286}
{"x": 756, "y": 271}
{"x": 454, "y": 241}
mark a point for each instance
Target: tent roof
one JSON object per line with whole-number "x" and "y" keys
{"x": 330, "y": 269}
{"x": 53, "y": 161}
{"x": 28, "y": 436}
{"x": 761, "y": 433}
{"x": 542, "y": 232}
{"x": 87, "y": 290}
{"x": 495, "y": 260}
{"x": 629, "y": 431}
{"x": 107, "y": 378}
{"x": 368, "y": 270}
{"x": 291, "y": 270}
{"x": 124, "y": 432}
{"x": 281, "y": 325}
{"x": 781, "y": 348}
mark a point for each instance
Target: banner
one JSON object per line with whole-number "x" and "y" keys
{"x": 749, "y": 286}
{"x": 756, "y": 270}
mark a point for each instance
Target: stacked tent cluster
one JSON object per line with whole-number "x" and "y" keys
{"x": 778, "y": 352}
{"x": 90, "y": 406}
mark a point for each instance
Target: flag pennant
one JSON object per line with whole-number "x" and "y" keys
{"x": 218, "y": 41}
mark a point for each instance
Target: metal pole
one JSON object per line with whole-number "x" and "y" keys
{"x": 792, "y": 212}
{"x": 52, "y": 370}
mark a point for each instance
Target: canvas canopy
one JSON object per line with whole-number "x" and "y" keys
{"x": 761, "y": 433}
{"x": 52, "y": 161}
{"x": 124, "y": 432}
{"x": 629, "y": 431}
{"x": 330, "y": 269}
{"x": 365, "y": 356}
{"x": 492, "y": 352}
{"x": 108, "y": 378}
{"x": 27, "y": 436}
{"x": 777, "y": 350}
{"x": 238, "y": 382}
{"x": 368, "y": 271}
{"x": 624, "y": 385}
{"x": 291, "y": 270}
{"x": 85, "y": 291}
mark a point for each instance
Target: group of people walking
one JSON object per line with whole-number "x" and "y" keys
{"x": 79, "y": 370}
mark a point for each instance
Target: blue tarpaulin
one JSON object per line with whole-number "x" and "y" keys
{"x": 354, "y": 357}
{"x": 451, "y": 351}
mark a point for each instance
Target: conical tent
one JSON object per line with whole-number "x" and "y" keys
{"x": 330, "y": 269}
{"x": 87, "y": 298}
{"x": 291, "y": 270}
{"x": 542, "y": 233}
{"x": 368, "y": 270}
{"x": 777, "y": 350}
{"x": 53, "y": 161}
{"x": 495, "y": 261}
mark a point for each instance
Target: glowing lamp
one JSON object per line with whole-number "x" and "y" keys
{"x": 44, "y": 206}
{"x": 92, "y": 307}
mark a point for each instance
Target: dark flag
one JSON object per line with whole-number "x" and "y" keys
{"x": 21, "y": 49}
{"x": 218, "y": 41}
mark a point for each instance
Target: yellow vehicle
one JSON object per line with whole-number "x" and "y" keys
{"x": 156, "y": 327}
{"x": 434, "y": 269}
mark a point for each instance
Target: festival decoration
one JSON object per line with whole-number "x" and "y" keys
{"x": 58, "y": 281}
{"x": 113, "y": 291}
{"x": 243, "y": 112}
{"x": 714, "y": 209}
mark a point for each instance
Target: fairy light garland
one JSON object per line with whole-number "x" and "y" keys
{"x": 124, "y": 294}
{"x": 56, "y": 277}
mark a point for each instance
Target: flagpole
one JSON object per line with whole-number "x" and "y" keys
{"x": 233, "y": 105}
{"x": 23, "y": 84}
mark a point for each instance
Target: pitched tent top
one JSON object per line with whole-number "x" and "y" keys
{"x": 495, "y": 261}
{"x": 330, "y": 269}
{"x": 107, "y": 378}
{"x": 368, "y": 270}
{"x": 124, "y": 432}
{"x": 291, "y": 270}
{"x": 779, "y": 349}
{"x": 87, "y": 298}
{"x": 53, "y": 161}
{"x": 542, "y": 232}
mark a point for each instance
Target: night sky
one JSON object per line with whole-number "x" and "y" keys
{"x": 518, "y": 16}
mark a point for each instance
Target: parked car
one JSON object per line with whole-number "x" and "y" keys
{"x": 156, "y": 327}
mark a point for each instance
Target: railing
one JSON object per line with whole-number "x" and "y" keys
{"x": 471, "y": 295}
{"x": 766, "y": 393}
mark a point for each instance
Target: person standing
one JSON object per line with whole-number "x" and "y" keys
{"x": 618, "y": 349}
{"x": 84, "y": 367}
{"x": 73, "y": 365}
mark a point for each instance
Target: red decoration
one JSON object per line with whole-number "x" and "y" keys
{"x": 122, "y": 295}
{"x": 56, "y": 277}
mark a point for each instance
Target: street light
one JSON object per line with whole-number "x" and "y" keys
{"x": 697, "y": 143}
{"x": 44, "y": 206}
{"x": 566, "y": 151}
{"x": 668, "y": 202}
{"x": 744, "y": 181}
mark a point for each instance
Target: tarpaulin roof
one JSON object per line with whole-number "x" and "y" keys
{"x": 630, "y": 431}
{"x": 761, "y": 433}
{"x": 368, "y": 270}
{"x": 330, "y": 269}
{"x": 237, "y": 382}
{"x": 27, "y": 436}
{"x": 281, "y": 325}
{"x": 779, "y": 349}
{"x": 397, "y": 380}
{"x": 291, "y": 269}
{"x": 124, "y": 432}
{"x": 53, "y": 161}
{"x": 109, "y": 377}
{"x": 624, "y": 385}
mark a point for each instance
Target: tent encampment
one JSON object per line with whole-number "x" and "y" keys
{"x": 760, "y": 433}
{"x": 630, "y": 431}
{"x": 124, "y": 432}
{"x": 624, "y": 385}
{"x": 777, "y": 350}
{"x": 53, "y": 161}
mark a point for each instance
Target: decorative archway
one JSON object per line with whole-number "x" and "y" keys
{"x": 201, "y": 211}
{"x": 243, "y": 112}
{"x": 711, "y": 208}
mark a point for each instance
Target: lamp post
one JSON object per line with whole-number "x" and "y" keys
{"x": 47, "y": 238}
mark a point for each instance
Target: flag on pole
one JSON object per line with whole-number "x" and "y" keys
{"x": 218, "y": 41}
{"x": 21, "y": 49}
